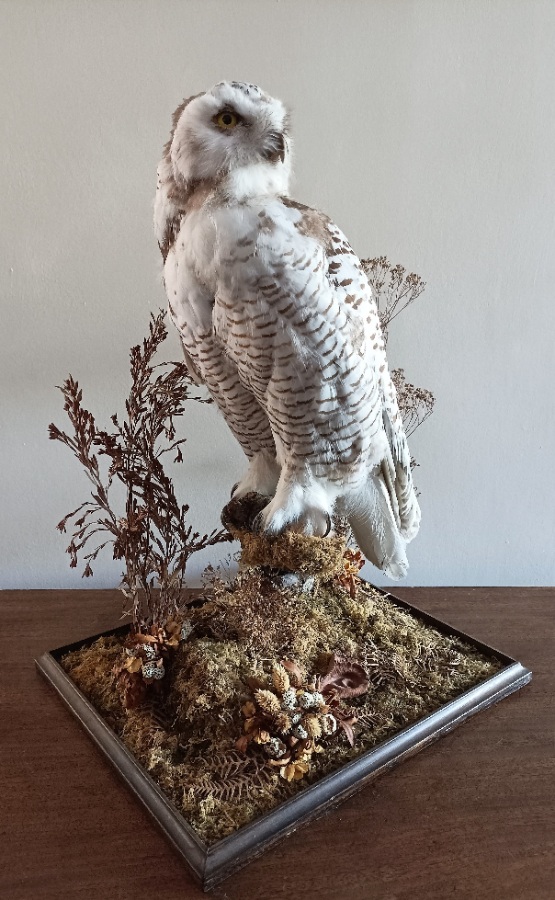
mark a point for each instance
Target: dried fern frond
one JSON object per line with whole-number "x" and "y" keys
{"x": 231, "y": 776}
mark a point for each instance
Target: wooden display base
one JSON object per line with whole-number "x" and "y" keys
{"x": 211, "y": 864}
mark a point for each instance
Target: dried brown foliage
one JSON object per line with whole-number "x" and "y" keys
{"x": 152, "y": 535}
{"x": 253, "y": 611}
{"x": 353, "y": 561}
{"x": 344, "y": 678}
{"x": 148, "y": 650}
{"x": 416, "y": 404}
{"x": 290, "y": 715}
{"x": 394, "y": 289}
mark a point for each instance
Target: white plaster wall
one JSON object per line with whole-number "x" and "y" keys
{"x": 425, "y": 129}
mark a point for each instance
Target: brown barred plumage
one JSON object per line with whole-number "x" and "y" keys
{"x": 277, "y": 319}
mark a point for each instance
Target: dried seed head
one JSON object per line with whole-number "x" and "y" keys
{"x": 289, "y": 699}
{"x": 152, "y": 670}
{"x": 283, "y": 723}
{"x": 268, "y": 702}
{"x": 280, "y": 679}
{"x": 305, "y": 699}
{"x": 186, "y": 630}
{"x": 329, "y": 724}
{"x": 300, "y": 732}
{"x": 275, "y": 748}
{"x": 312, "y": 725}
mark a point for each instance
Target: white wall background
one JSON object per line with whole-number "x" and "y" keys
{"x": 425, "y": 128}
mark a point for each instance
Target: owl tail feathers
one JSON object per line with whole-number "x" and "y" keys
{"x": 375, "y": 526}
{"x": 395, "y": 470}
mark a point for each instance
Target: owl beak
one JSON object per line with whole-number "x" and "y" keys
{"x": 276, "y": 150}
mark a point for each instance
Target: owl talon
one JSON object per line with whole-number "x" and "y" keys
{"x": 328, "y": 529}
{"x": 233, "y": 489}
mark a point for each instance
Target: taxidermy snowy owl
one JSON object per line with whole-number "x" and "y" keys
{"x": 277, "y": 319}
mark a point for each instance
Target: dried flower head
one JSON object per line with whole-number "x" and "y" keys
{"x": 416, "y": 404}
{"x": 268, "y": 702}
{"x": 313, "y": 726}
{"x": 145, "y": 651}
{"x": 289, "y": 699}
{"x": 280, "y": 679}
{"x": 283, "y": 723}
{"x": 290, "y": 721}
{"x": 393, "y": 288}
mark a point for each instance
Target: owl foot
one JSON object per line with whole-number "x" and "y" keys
{"x": 301, "y": 503}
{"x": 275, "y": 519}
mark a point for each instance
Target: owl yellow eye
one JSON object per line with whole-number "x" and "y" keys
{"x": 226, "y": 119}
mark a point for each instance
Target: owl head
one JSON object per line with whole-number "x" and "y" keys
{"x": 234, "y": 132}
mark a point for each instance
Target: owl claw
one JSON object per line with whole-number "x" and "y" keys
{"x": 233, "y": 489}
{"x": 274, "y": 520}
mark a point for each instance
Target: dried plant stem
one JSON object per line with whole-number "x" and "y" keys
{"x": 394, "y": 290}
{"x": 153, "y": 536}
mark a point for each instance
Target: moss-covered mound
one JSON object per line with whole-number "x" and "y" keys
{"x": 185, "y": 734}
{"x": 290, "y": 551}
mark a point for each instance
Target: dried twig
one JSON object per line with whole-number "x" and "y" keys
{"x": 416, "y": 404}
{"x": 393, "y": 291}
{"x": 392, "y": 287}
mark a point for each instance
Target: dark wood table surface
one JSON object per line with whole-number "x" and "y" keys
{"x": 473, "y": 816}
